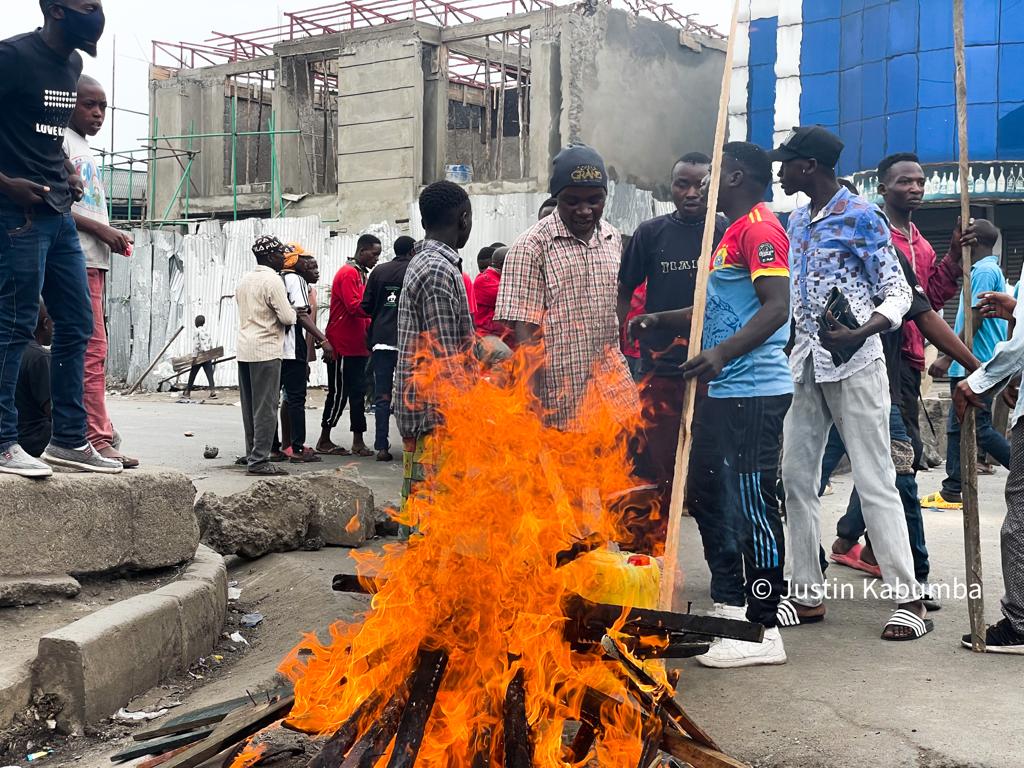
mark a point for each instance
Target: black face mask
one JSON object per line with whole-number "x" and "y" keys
{"x": 83, "y": 29}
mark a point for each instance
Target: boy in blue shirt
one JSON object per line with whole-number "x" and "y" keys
{"x": 986, "y": 277}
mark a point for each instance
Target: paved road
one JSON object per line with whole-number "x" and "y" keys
{"x": 846, "y": 698}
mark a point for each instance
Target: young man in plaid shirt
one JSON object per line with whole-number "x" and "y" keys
{"x": 433, "y": 309}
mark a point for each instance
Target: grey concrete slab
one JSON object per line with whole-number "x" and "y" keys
{"x": 81, "y": 523}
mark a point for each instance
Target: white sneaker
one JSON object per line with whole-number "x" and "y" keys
{"x": 723, "y": 611}
{"x": 727, "y": 653}
{"x": 736, "y": 612}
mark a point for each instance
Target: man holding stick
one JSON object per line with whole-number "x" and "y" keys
{"x": 738, "y": 427}
{"x": 1007, "y": 635}
{"x": 841, "y": 241}
{"x": 663, "y": 255}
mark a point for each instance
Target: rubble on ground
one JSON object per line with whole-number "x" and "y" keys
{"x": 281, "y": 514}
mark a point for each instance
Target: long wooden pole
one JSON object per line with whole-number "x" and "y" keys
{"x": 671, "y": 573}
{"x": 968, "y": 430}
{"x": 156, "y": 360}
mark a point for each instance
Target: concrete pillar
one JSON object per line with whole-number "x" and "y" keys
{"x": 380, "y": 129}
{"x": 293, "y": 110}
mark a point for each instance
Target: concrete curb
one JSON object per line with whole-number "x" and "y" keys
{"x": 98, "y": 663}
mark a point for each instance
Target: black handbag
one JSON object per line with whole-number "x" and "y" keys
{"x": 839, "y": 306}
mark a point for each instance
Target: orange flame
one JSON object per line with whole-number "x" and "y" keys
{"x": 480, "y": 579}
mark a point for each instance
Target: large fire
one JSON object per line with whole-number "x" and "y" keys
{"x": 481, "y": 583}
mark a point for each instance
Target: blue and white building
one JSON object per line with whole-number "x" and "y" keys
{"x": 880, "y": 74}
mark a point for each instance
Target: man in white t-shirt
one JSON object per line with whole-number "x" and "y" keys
{"x": 98, "y": 240}
{"x": 300, "y": 271}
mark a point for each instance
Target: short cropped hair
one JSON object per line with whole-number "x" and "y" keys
{"x": 404, "y": 245}
{"x": 439, "y": 203}
{"x": 752, "y": 159}
{"x": 366, "y": 241}
{"x": 888, "y": 162}
{"x": 693, "y": 158}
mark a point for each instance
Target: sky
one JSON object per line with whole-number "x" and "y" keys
{"x": 132, "y": 25}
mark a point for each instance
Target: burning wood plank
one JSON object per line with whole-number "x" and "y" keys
{"x": 374, "y": 742}
{"x": 590, "y": 617}
{"x": 423, "y": 688}
{"x": 233, "y": 729}
{"x": 341, "y": 742}
{"x": 698, "y": 755}
{"x": 518, "y": 747}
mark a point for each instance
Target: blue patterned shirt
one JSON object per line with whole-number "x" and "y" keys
{"x": 848, "y": 245}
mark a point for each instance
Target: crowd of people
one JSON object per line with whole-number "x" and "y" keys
{"x": 812, "y": 348}
{"x": 812, "y": 344}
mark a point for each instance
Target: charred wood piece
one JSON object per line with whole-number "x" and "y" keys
{"x": 423, "y": 688}
{"x": 588, "y": 617}
{"x": 518, "y": 745}
{"x": 366, "y": 585}
{"x": 374, "y": 742}
{"x": 341, "y": 742}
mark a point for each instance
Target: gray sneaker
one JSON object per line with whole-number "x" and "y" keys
{"x": 14, "y": 461}
{"x": 85, "y": 459}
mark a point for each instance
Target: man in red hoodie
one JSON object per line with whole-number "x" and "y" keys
{"x": 346, "y": 330}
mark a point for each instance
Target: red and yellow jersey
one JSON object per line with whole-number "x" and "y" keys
{"x": 753, "y": 247}
{"x": 756, "y": 243}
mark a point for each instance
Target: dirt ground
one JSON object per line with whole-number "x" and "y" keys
{"x": 845, "y": 698}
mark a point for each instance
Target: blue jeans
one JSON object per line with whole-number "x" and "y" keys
{"x": 40, "y": 253}
{"x": 384, "y": 362}
{"x": 989, "y": 441}
{"x": 851, "y": 525}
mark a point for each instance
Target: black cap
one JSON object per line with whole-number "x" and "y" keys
{"x": 811, "y": 142}
{"x": 577, "y": 165}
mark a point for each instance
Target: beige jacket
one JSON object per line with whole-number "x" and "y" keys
{"x": 264, "y": 314}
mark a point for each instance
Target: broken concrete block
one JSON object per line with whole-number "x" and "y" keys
{"x": 79, "y": 523}
{"x": 15, "y": 691}
{"x": 346, "y": 506}
{"x": 281, "y": 514}
{"x": 32, "y": 590}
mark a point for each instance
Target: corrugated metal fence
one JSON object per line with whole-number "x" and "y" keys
{"x": 172, "y": 278}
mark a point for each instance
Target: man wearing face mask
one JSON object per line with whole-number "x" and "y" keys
{"x": 39, "y": 247}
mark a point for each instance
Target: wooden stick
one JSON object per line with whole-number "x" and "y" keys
{"x": 670, "y": 573}
{"x": 697, "y": 755}
{"x": 430, "y": 667}
{"x": 341, "y": 742}
{"x": 374, "y": 742}
{"x": 968, "y": 430}
{"x": 156, "y": 360}
{"x": 598, "y": 617}
{"x": 652, "y": 730}
{"x": 518, "y": 746}
{"x": 235, "y": 727}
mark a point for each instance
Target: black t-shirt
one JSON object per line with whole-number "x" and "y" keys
{"x": 664, "y": 252}
{"x": 380, "y": 300}
{"x": 32, "y": 399}
{"x": 38, "y": 90}
{"x": 892, "y": 341}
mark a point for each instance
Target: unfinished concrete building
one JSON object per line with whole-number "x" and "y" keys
{"x": 347, "y": 110}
